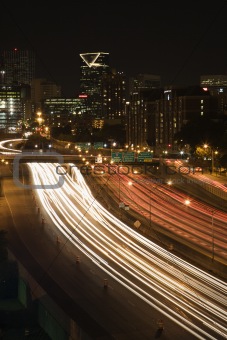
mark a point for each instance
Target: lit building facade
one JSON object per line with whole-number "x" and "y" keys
{"x": 140, "y": 119}
{"x": 59, "y": 112}
{"x": 113, "y": 93}
{"x": 17, "y": 73}
{"x": 93, "y": 66}
{"x": 176, "y": 108}
{"x": 143, "y": 91}
{"x": 42, "y": 89}
{"x": 13, "y": 107}
{"x": 154, "y": 116}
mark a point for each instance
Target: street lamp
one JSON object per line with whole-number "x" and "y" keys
{"x": 213, "y": 153}
{"x": 154, "y": 187}
{"x": 150, "y": 209}
{"x": 212, "y": 233}
{"x": 39, "y": 118}
{"x": 212, "y": 230}
{"x": 121, "y": 204}
{"x": 112, "y": 146}
{"x": 187, "y": 203}
{"x": 119, "y": 186}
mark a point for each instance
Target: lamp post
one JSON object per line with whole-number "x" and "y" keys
{"x": 213, "y": 153}
{"x": 150, "y": 189}
{"x": 187, "y": 203}
{"x": 212, "y": 234}
{"x": 121, "y": 204}
{"x": 112, "y": 146}
{"x": 119, "y": 187}
{"x": 212, "y": 160}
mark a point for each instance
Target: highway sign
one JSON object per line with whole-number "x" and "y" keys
{"x": 144, "y": 157}
{"x": 83, "y": 146}
{"x": 98, "y": 145}
{"x": 116, "y": 157}
{"x": 128, "y": 156}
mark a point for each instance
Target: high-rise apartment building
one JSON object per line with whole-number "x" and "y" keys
{"x": 176, "y": 108}
{"x": 18, "y": 66}
{"x": 93, "y": 66}
{"x": 144, "y": 81}
{"x": 144, "y": 89}
{"x": 114, "y": 96}
{"x": 154, "y": 116}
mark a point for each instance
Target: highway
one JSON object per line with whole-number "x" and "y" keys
{"x": 188, "y": 296}
{"x": 197, "y": 223}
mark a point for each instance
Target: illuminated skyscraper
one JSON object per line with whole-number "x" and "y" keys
{"x": 92, "y": 69}
{"x": 13, "y": 107}
{"x": 17, "y": 69}
{"x": 114, "y": 96}
{"x": 19, "y": 66}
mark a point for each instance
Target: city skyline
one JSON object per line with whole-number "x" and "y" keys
{"x": 178, "y": 44}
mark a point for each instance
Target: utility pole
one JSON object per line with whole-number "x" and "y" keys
{"x": 212, "y": 160}
{"x": 212, "y": 232}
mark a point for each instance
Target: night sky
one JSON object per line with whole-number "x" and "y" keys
{"x": 177, "y": 40}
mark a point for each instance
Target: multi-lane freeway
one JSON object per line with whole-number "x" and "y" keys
{"x": 176, "y": 212}
{"x": 190, "y": 297}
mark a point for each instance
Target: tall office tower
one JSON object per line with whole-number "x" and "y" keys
{"x": 2, "y": 70}
{"x": 19, "y": 66}
{"x": 144, "y": 81}
{"x": 114, "y": 96}
{"x": 144, "y": 90}
{"x": 92, "y": 69}
{"x": 13, "y": 107}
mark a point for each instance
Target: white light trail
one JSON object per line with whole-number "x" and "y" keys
{"x": 131, "y": 259}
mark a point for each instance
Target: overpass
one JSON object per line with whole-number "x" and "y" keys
{"x": 56, "y": 157}
{"x": 45, "y": 157}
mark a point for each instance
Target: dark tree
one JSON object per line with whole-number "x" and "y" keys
{"x": 203, "y": 130}
{"x": 223, "y": 161}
